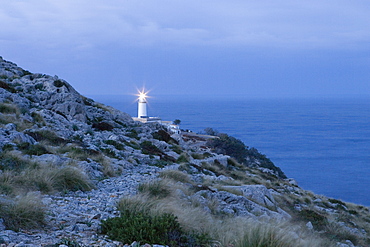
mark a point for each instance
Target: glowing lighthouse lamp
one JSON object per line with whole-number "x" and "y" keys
{"x": 141, "y": 108}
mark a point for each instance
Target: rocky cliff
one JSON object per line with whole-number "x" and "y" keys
{"x": 68, "y": 163}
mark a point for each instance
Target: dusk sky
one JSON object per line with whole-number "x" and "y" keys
{"x": 266, "y": 48}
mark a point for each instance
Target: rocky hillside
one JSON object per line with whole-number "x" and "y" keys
{"x": 70, "y": 165}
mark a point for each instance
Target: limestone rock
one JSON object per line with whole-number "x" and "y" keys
{"x": 258, "y": 194}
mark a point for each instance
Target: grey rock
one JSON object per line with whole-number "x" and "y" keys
{"x": 309, "y": 225}
{"x": 20, "y": 137}
{"x": 46, "y": 159}
{"x": 258, "y": 194}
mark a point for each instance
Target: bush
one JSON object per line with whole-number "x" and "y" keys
{"x": 46, "y": 135}
{"x": 59, "y": 83}
{"x": 116, "y": 144}
{"x": 161, "y": 229}
{"x": 7, "y": 87}
{"x": 318, "y": 221}
{"x": 38, "y": 118}
{"x": 8, "y": 108}
{"x": 27, "y": 212}
{"x": 133, "y": 134}
{"x": 102, "y": 126}
{"x": 225, "y": 144}
{"x": 164, "y": 136}
{"x": 109, "y": 152}
{"x": 176, "y": 148}
{"x": 183, "y": 158}
{"x": 148, "y": 148}
{"x": 29, "y": 149}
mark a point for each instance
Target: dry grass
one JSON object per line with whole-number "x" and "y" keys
{"x": 25, "y": 212}
{"x": 175, "y": 175}
{"x": 77, "y": 153}
{"x": 163, "y": 196}
{"x": 21, "y": 175}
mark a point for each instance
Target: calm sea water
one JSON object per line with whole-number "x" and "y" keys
{"x": 323, "y": 144}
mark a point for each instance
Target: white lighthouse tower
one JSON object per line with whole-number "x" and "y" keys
{"x": 142, "y": 113}
{"x": 141, "y": 107}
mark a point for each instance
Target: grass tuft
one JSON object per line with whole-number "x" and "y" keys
{"x": 175, "y": 175}
{"x": 26, "y": 212}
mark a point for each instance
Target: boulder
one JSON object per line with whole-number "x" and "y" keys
{"x": 258, "y": 194}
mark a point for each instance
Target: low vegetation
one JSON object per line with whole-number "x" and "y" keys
{"x": 25, "y": 212}
{"x": 146, "y": 228}
{"x": 21, "y": 175}
{"x": 225, "y": 144}
{"x": 20, "y": 178}
{"x": 162, "y": 197}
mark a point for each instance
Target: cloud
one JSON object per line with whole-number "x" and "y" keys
{"x": 85, "y": 24}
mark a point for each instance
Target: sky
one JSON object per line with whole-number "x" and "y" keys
{"x": 247, "y": 48}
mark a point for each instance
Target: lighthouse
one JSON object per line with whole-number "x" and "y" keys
{"x": 141, "y": 107}
{"x": 142, "y": 113}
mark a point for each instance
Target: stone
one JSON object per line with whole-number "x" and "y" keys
{"x": 258, "y": 194}
{"x": 20, "y": 137}
{"x": 309, "y": 225}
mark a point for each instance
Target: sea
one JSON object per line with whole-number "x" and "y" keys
{"x": 323, "y": 143}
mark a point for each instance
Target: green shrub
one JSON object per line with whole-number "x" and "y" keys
{"x": 197, "y": 156}
{"x": 102, "y": 126}
{"x": 59, "y": 83}
{"x": 8, "y": 108}
{"x": 133, "y": 134}
{"x": 183, "y": 158}
{"x": 8, "y": 147}
{"x": 109, "y": 152}
{"x": 30, "y": 149}
{"x": 225, "y": 144}
{"x": 318, "y": 221}
{"x": 138, "y": 226}
{"x": 26, "y": 212}
{"x": 148, "y": 148}
{"x": 336, "y": 201}
{"x": 116, "y": 144}
{"x": 176, "y": 148}
{"x": 7, "y": 87}
{"x": 38, "y": 118}
{"x": 47, "y": 135}
{"x": 39, "y": 86}
{"x": 133, "y": 144}
{"x": 164, "y": 136}
{"x": 76, "y": 152}
{"x": 75, "y": 127}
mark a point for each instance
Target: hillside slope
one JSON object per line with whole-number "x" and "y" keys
{"x": 68, "y": 163}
